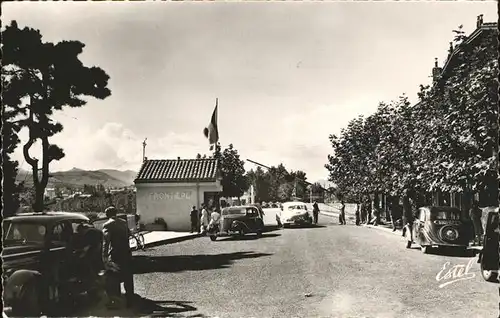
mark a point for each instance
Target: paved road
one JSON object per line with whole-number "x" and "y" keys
{"x": 327, "y": 271}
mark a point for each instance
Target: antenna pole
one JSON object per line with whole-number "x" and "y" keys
{"x": 144, "y": 150}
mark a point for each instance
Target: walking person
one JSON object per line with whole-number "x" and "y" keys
{"x": 368, "y": 212}
{"x": 394, "y": 215}
{"x": 476, "y": 215}
{"x": 315, "y": 212}
{"x": 358, "y": 213}
{"x": 204, "y": 219}
{"x": 342, "y": 213}
{"x": 194, "y": 220}
{"x": 90, "y": 259}
{"x": 117, "y": 257}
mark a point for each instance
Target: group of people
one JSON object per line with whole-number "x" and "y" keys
{"x": 202, "y": 220}
{"x": 365, "y": 214}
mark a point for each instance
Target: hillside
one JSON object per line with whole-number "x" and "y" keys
{"x": 78, "y": 177}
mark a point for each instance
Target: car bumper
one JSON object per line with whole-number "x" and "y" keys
{"x": 297, "y": 219}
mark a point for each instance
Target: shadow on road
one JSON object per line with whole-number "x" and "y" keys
{"x": 178, "y": 263}
{"x": 313, "y": 226}
{"x": 142, "y": 307}
{"x": 168, "y": 308}
{"x": 249, "y": 237}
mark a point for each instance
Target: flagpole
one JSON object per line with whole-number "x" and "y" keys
{"x": 217, "y": 107}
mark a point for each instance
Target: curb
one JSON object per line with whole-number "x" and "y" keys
{"x": 171, "y": 240}
{"x": 399, "y": 233}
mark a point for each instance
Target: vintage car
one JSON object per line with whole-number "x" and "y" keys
{"x": 293, "y": 213}
{"x": 488, "y": 257}
{"x": 437, "y": 226}
{"x": 41, "y": 263}
{"x": 240, "y": 220}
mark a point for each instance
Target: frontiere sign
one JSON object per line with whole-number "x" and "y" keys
{"x": 182, "y": 195}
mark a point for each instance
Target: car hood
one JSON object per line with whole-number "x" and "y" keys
{"x": 235, "y": 217}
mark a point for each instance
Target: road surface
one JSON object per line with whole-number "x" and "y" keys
{"x": 327, "y": 271}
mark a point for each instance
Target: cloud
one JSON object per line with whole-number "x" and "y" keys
{"x": 113, "y": 146}
{"x": 303, "y": 142}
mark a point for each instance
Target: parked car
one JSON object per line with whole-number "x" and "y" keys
{"x": 41, "y": 264}
{"x": 488, "y": 256}
{"x": 295, "y": 213}
{"x": 437, "y": 227}
{"x": 240, "y": 220}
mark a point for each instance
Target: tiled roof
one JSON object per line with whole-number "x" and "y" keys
{"x": 180, "y": 170}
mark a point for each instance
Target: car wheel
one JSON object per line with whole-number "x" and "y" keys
{"x": 489, "y": 275}
{"x": 29, "y": 304}
{"x": 259, "y": 234}
{"x": 213, "y": 238}
{"x": 408, "y": 244}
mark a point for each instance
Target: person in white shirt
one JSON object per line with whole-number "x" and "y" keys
{"x": 204, "y": 218}
{"x": 214, "y": 218}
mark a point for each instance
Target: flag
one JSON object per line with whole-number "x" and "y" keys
{"x": 212, "y": 132}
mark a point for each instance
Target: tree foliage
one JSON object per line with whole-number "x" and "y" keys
{"x": 447, "y": 142}
{"x": 278, "y": 184}
{"x": 10, "y": 140}
{"x": 39, "y": 78}
{"x": 234, "y": 181}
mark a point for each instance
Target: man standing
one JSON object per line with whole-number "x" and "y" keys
{"x": 476, "y": 215}
{"x": 90, "y": 243}
{"x": 315, "y": 212}
{"x": 117, "y": 257}
{"x": 342, "y": 213}
{"x": 194, "y": 220}
{"x": 358, "y": 212}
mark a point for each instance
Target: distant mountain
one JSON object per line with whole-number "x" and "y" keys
{"x": 78, "y": 177}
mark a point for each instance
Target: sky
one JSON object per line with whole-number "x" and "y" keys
{"x": 287, "y": 74}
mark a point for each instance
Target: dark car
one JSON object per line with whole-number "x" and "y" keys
{"x": 488, "y": 256}
{"x": 240, "y": 220}
{"x": 437, "y": 226}
{"x": 41, "y": 261}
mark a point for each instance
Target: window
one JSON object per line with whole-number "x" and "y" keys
{"x": 252, "y": 212}
{"x": 76, "y": 223}
{"x": 23, "y": 233}
{"x": 61, "y": 232}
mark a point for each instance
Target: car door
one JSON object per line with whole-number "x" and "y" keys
{"x": 491, "y": 238}
{"x": 60, "y": 250}
{"x": 251, "y": 218}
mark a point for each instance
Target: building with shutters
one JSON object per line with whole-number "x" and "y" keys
{"x": 168, "y": 189}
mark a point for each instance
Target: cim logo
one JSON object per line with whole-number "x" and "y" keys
{"x": 158, "y": 196}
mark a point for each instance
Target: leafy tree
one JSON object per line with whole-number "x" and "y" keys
{"x": 10, "y": 140}
{"x": 234, "y": 181}
{"x": 261, "y": 182}
{"x": 285, "y": 191}
{"x": 42, "y": 77}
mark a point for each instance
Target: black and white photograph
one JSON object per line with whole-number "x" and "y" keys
{"x": 239, "y": 159}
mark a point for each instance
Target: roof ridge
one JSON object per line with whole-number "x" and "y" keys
{"x": 178, "y": 170}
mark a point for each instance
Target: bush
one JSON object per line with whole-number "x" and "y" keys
{"x": 161, "y": 221}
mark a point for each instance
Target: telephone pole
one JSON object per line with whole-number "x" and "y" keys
{"x": 144, "y": 150}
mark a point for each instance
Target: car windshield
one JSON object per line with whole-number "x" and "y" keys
{"x": 23, "y": 232}
{"x": 447, "y": 215}
{"x": 297, "y": 207}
